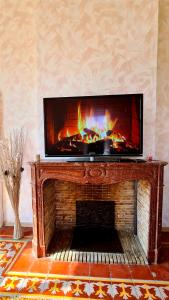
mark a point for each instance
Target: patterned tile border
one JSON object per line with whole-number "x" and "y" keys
{"x": 77, "y": 289}
{"x": 9, "y": 251}
{"x": 32, "y": 286}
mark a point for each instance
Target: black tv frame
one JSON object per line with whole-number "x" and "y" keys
{"x": 91, "y": 156}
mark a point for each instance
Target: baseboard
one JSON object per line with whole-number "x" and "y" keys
{"x": 165, "y": 236}
{"x": 29, "y": 224}
{"x": 165, "y": 229}
{"x": 23, "y": 224}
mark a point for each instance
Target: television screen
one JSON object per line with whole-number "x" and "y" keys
{"x": 94, "y": 125}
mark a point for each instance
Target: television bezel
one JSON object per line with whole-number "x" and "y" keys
{"x": 81, "y": 156}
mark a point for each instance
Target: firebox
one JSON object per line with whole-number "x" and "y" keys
{"x": 95, "y": 214}
{"x": 95, "y": 228}
{"x": 103, "y": 222}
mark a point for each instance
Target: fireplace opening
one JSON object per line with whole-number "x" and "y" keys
{"x": 94, "y": 228}
{"x": 95, "y": 214}
{"x": 108, "y": 225}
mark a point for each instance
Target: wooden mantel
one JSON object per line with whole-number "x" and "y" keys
{"x": 99, "y": 173}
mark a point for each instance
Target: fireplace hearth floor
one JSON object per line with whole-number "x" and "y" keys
{"x": 102, "y": 240}
{"x": 60, "y": 250}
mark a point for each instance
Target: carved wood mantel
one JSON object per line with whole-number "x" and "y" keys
{"x": 99, "y": 173}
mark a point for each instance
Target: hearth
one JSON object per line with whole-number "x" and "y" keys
{"x": 63, "y": 193}
{"x": 98, "y": 240}
{"x": 107, "y": 247}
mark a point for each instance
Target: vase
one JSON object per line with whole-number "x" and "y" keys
{"x": 17, "y": 232}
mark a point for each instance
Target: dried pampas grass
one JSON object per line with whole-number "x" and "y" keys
{"x": 11, "y": 159}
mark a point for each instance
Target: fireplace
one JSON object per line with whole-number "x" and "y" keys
{"x": 63, "y": 191}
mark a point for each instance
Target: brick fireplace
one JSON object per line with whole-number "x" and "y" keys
{"x": 68, "y": 193}
{"x": 134, "y": 189}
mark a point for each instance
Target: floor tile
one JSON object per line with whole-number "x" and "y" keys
{"x": 27, "y": 263}
{"x": 40, "y": 266}
{"x": 28, "y": 249}
{"x": 119, "y": 271}
{"x": 79, "y": 269}
{"x": 22, "y": 264}
{"x": 159, "y": 272}
{"x": 99, "y": 270}
{"x": 59, "y": 268}
{"x": 140, "y": 272}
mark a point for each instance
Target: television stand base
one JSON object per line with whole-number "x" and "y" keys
{"x": 116, "y": 159}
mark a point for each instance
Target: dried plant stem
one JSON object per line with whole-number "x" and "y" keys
{"x": 11, "y": 158}
{"x": 18, "y": 233}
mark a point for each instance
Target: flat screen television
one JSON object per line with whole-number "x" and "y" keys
{"x": 110, "y": 125}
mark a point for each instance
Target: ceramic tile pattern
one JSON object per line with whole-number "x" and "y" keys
{"x": 23, "y": 276}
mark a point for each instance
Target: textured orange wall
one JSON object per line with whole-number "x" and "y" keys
{"x": 162, "y": 141}
{"x": 1, "y": 183}
{"x": 99, "y": 47}
{"x": 55, "y": 48}
{"x": 18, "y": 85}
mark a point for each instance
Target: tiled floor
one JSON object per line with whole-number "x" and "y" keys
{"x": 25, "y": 265}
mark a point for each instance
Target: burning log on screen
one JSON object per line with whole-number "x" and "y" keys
{"x": 90, "y": 133}
{"x": 88, "y": 140}
{"x": 87, "y": 135}
{"x": 74, "y": 137}
{"x": 116, "y": 136}
{"x": 68, "y": 145}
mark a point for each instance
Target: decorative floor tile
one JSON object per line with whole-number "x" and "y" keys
{"x": 82, "y": 288}
{"x": 9, "y": 252}
{"x": 24, "y": 277}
